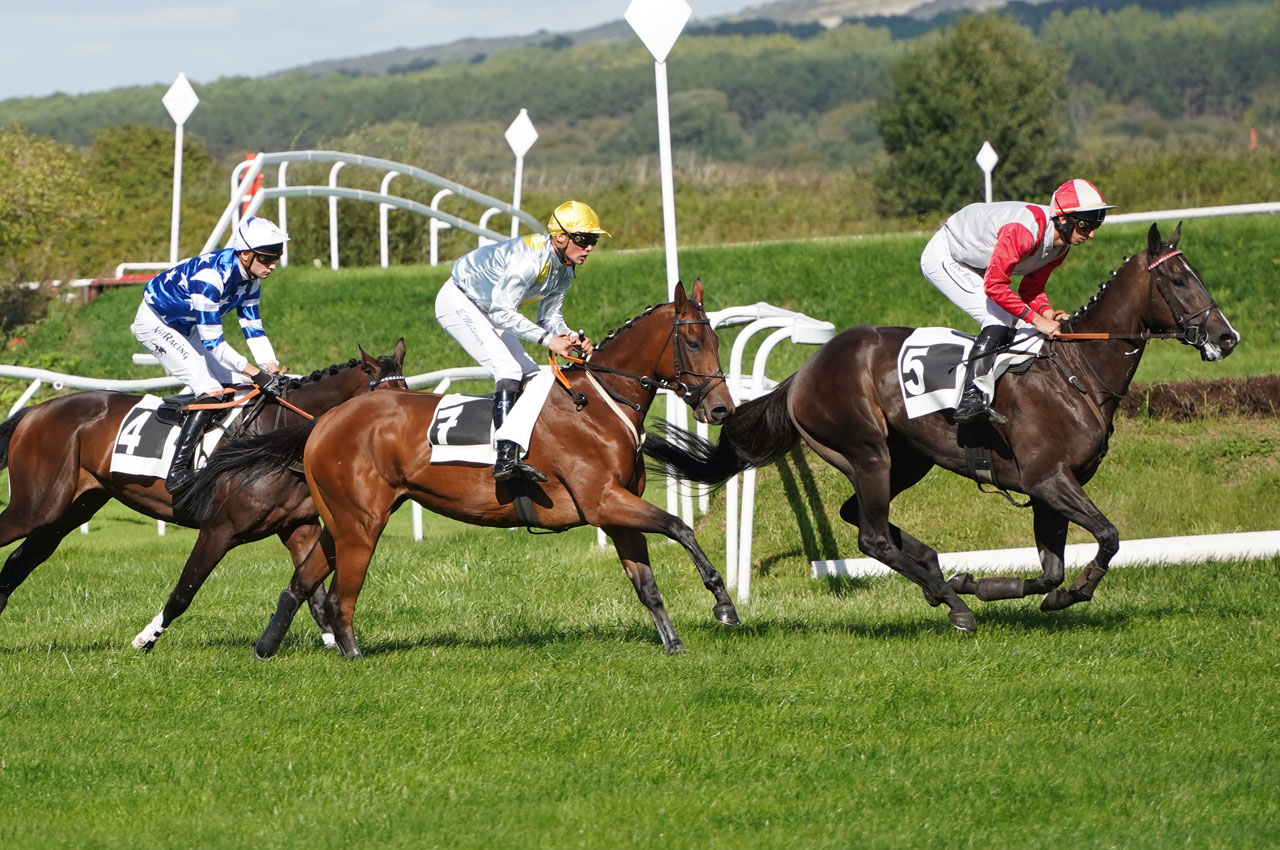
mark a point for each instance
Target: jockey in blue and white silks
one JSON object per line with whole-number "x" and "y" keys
{"x": 180, "y": 323}
{"x": 479, "y": 306}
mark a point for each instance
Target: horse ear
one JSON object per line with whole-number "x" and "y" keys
{"x": 371, "y": 364}
{"x": 697, "y": 290}
{"x": 399, "y": 351}
{"x": 1177, "y": 234}
{"x": 679, "y": 297}
{"x": 1153, "y": 240}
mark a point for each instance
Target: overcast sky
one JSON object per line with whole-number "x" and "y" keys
{"x": 78, "y": 46}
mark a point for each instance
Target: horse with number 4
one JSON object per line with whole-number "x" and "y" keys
{"x": 60, "y": 459}
{"x": 367, "y": 457}
{"x": 849, "y": 404}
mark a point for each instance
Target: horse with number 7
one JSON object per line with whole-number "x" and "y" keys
{"x": 845, "y": 403}
{"x": 364, "y": 459}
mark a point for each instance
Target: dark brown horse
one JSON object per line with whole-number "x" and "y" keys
{"x": 59, "y": 459}
{"x": 846, "y": 404}
{"x": 365, "y": 458}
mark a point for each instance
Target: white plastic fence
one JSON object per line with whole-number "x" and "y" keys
{"x": 245, "y": 173}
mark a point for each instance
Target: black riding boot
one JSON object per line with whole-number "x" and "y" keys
{"x": 509, "y": 465}
{"x": 182, "y": 471}
{"x": 973, "y": 404}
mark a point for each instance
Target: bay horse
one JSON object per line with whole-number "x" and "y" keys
{"x": 368, "y": 456}
{"x": 59, "y": 458}
{"x": 845, "y": 403}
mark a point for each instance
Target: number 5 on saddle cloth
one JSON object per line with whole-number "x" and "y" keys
{"x": 931, "y": 366}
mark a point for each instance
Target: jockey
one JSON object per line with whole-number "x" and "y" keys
{"x": 479, "y": 307}
{"x": 180, "y": 322}
{"x": 974, "y": 255}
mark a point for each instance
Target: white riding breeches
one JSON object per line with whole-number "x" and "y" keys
{"x": 499, "y": 353}
{"x": 183, "y": 357}
{"x": 961, "y": 284}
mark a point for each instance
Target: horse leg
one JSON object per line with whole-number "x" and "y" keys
{"x": 633, "y": 551}
{"x": 308, "y": 580}
{"x": 42, "y": 536}
{"x": 913, "y": 548}
{"x": 1051, "y": 540}
{"x": 300, "y": 541}
{"x": 1063, "y": 495}
{"x": 212, "y": 543}
{"x": 624, "y": 509}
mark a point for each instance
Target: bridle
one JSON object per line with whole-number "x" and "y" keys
{"x": 1191, "y": 334}
{"x": 692, "y": 395}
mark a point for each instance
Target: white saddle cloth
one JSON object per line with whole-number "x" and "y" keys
{"x": 931, "y": 366}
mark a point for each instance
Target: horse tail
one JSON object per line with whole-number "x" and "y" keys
{"x": 6, "y": 434}
{"x": 758, "y": 432}
{"x": 241, "y": 461}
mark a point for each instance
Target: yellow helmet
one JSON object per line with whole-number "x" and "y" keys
{"x": 575, "y": 217}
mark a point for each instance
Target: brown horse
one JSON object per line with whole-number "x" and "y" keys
{"x": 846, "y": 404}
{"x": 59, "y": 459}
{"x": 365, "y": 458}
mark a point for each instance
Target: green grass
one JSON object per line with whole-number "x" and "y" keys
{"x": 514, "y": 695}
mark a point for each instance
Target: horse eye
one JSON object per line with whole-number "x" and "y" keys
{"x": 694, "y": 345}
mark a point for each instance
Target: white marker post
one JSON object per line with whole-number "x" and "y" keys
{"x": 181, "y": 101}
{"x": 659, "y": 23}
{"x": 520, "y": 136}
{"x": 987, "y": 159}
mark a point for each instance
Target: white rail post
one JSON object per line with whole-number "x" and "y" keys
{"x": 437, "y": 225}
{"x": 333, "y": 216}
{"x": 180, "y": 100}
{"x": 281, "y": 211}
{"x": 382, "y": 216}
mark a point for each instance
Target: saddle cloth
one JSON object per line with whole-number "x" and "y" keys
{"x": 144, "y": 445}
{"x": 931, "y": 366}
{"x": 462, "y": 429}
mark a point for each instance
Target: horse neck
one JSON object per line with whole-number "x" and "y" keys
{"x": 328, "y": 389}
{"x": 638, "y": 348}
{"x": 1118, "y": 307}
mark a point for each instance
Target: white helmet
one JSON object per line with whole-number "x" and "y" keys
{"x": 256, "y": 233}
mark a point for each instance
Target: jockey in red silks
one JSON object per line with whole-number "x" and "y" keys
{"x": 974, "y": 256}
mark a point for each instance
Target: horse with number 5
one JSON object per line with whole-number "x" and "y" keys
{"x": 59, "y": 456}
{"x": 367, "y": 457}
{"x": 847, "y": 405}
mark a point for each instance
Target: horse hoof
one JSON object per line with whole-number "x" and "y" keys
{"x": 963, "y": 583}
{"x": 676, "y": 648}
{"x": 1059, "y": 599}
{"x": 143, "y": 646}
{"x": 727, "y": 615}
{"x": 261, "y": 653}
{"x": 963, "y": 621}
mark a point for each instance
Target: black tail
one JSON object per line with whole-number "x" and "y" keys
{"x": 6, "y": 434}
{"x": 757, "y": 433}
{"x": 243, "y": 460}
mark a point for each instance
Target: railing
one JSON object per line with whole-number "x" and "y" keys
{"x": 245, "y": 173}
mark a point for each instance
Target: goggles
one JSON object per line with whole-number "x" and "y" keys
{"x": 266, "y": 259}
{"x": 1087, "y": 222}
{"x": 583, "y": 240}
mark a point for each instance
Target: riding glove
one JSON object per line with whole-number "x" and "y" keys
{"x": 270, "y": 384}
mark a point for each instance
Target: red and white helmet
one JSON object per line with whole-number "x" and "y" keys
{"x": 1078, "y": 196}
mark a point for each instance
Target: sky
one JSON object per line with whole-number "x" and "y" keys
{"x": 78, "y": 46}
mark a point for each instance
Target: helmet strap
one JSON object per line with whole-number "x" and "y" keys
{"x": 1065, "y": 227}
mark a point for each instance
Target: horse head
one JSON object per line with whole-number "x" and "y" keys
{"x": 677, "y": 339}
{"x": 1183, "y": 303}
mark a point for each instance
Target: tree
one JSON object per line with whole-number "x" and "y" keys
{"x": 45, "y": 199}
{"x": 987, "y": 79}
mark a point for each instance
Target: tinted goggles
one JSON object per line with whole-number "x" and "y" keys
{"x": 583, "y": 240}
{"x": 1088, "y": 222}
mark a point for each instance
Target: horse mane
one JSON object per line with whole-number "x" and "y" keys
{"x": 246, "y": 458}
{"x": 628, "y": 323}
{"x": 1083, "y": 309}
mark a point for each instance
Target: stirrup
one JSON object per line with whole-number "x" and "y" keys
{"x": 972, "y": 407}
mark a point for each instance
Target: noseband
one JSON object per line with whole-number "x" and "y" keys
{"x": 1191, "y": 334}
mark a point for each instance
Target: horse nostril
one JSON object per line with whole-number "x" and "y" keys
{"x": 719, "y": 413}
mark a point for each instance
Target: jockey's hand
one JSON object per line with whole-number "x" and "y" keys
{"x": 582, "y": 342}
{"x": 564, "y": 344}
{"x": 270, "y": 383}
{"x": 275, "y": 368}
{"x": 1048, "y": 327}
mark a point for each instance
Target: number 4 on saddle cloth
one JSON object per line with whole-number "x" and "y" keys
{"x": 462, "y": 429}
{"x": 149, "y": 432}
{"x": 931, "y": 366}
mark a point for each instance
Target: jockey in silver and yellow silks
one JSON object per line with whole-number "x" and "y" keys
{"x": 479, "y": 306}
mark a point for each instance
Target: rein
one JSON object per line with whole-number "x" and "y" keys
{"x": 244, "y": 399}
